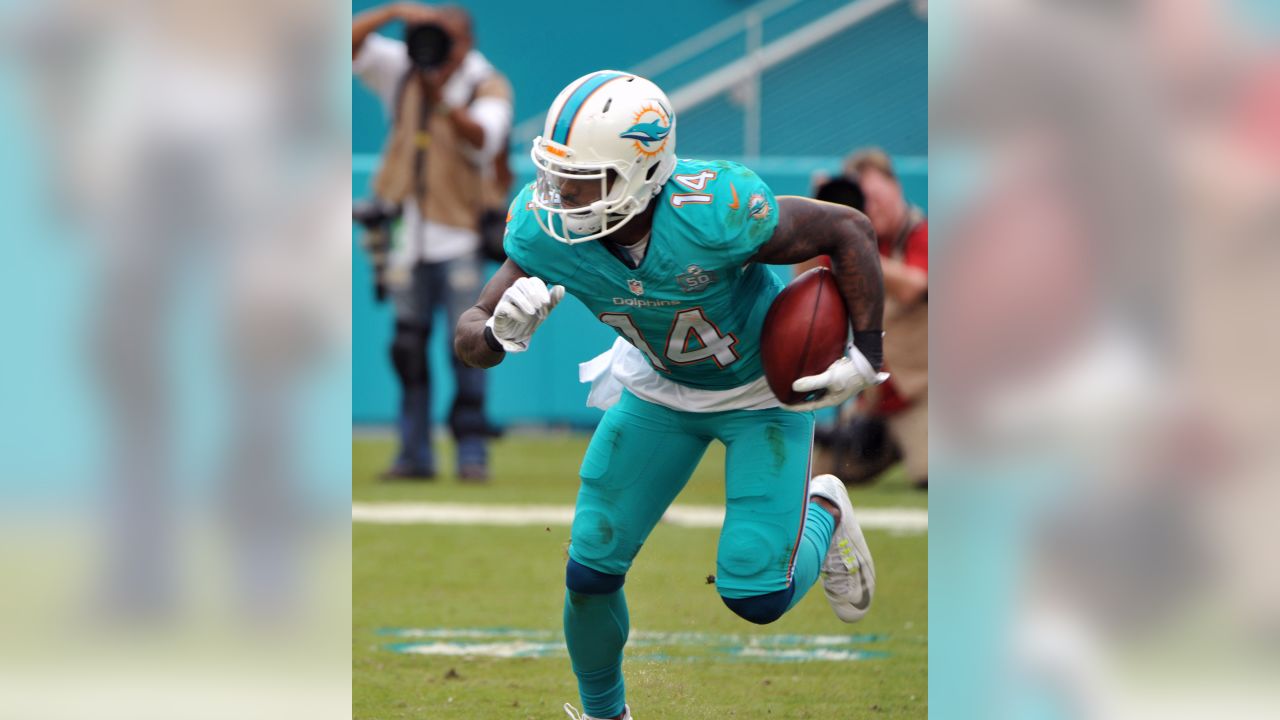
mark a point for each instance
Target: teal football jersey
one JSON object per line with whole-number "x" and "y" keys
{"x": 693, "y": 306}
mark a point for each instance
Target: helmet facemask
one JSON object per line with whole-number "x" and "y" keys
{"x": 580, "y": 202}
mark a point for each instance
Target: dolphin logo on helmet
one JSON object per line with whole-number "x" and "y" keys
{"x": 646, "y": 133}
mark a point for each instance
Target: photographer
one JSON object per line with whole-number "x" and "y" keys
{"x": 890, "y": 420}
{"x": 903, "y": 233}
{"x": 450, "y": 112}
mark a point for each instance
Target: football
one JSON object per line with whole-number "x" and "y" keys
{"x": 805, "y": 330}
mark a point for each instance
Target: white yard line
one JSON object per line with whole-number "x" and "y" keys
{"x": 901, "y": 520}
{"x": 512, "y": 643}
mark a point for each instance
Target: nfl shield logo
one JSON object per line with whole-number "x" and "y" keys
{"x": 636, "y": 287}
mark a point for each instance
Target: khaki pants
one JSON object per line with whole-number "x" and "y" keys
{"x": 910, "y": 429}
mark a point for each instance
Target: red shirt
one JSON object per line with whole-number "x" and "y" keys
{"x": 915, "y": 254}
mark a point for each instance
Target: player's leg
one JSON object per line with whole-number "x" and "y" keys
{"x": 774, "y": 537}
{"x": 639, "y": 459}
{"x": 409, "y": 358}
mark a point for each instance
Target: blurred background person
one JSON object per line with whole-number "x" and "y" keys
{"x": 889, "y": 422}
{"x": 856, "y": 447}
{"x": 450, "y": 112}
{"x": 903, "y": 234}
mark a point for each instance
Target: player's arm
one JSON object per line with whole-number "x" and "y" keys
{"x": 809, "y": 229}
{"x": 812, "y": 228}
{"x": 469, "y": 340}
{"x": 512, "y": 305}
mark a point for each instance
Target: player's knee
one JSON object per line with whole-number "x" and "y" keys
{"x": 409, "y": 353}
{"x": 745, "y": 552}
{"x": 581, "y": 579}
{"x": 749, "y": 559}
{"x": 595, "y": 539}
{"x": 762, "y": 609}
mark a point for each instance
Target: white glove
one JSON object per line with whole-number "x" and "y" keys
{"x": 846, "y": 377}
{"x": 521, "y": 310}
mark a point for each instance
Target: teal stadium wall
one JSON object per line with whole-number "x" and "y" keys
{"x": 866, "y": 86}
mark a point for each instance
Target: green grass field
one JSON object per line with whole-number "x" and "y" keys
{"x": 446, "y": 578}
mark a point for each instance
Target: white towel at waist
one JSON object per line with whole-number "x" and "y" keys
{"x": 624, "y": 366}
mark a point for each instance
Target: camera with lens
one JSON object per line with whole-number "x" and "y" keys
{"x": 429, "y": 45}
{"x": 377, "y": 218}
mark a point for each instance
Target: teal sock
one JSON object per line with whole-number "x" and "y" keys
{"x": 819, "y": 526}
{"x": 595, "y": 630}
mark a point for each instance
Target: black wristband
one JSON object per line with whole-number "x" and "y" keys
{"x": 492, "y": 340}
{"x": 871, "y": 344}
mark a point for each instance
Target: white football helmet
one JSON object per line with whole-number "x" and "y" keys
{"x": 608, "y": 145}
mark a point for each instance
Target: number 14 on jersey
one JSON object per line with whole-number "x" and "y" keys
{"x": 696, "y": 182}
{"x": 692, "y": 338}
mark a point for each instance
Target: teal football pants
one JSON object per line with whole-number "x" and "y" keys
{"x": 640, "y": 457}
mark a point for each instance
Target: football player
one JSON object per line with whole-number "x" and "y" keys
{"x": 670, "y": 253}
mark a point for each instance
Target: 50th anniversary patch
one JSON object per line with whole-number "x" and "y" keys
{"x": 695, "y": 279}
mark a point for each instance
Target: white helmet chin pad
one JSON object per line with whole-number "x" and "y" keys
{"x": 607, "y": 148}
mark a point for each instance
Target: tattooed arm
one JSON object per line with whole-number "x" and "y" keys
{"x": 811, "y": 228}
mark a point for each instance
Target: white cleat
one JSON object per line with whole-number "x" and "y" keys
{"x": 573, "y": 713}
{"x": 848, "y": 574}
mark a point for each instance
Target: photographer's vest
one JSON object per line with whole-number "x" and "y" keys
{"x": 424, "y": 157}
